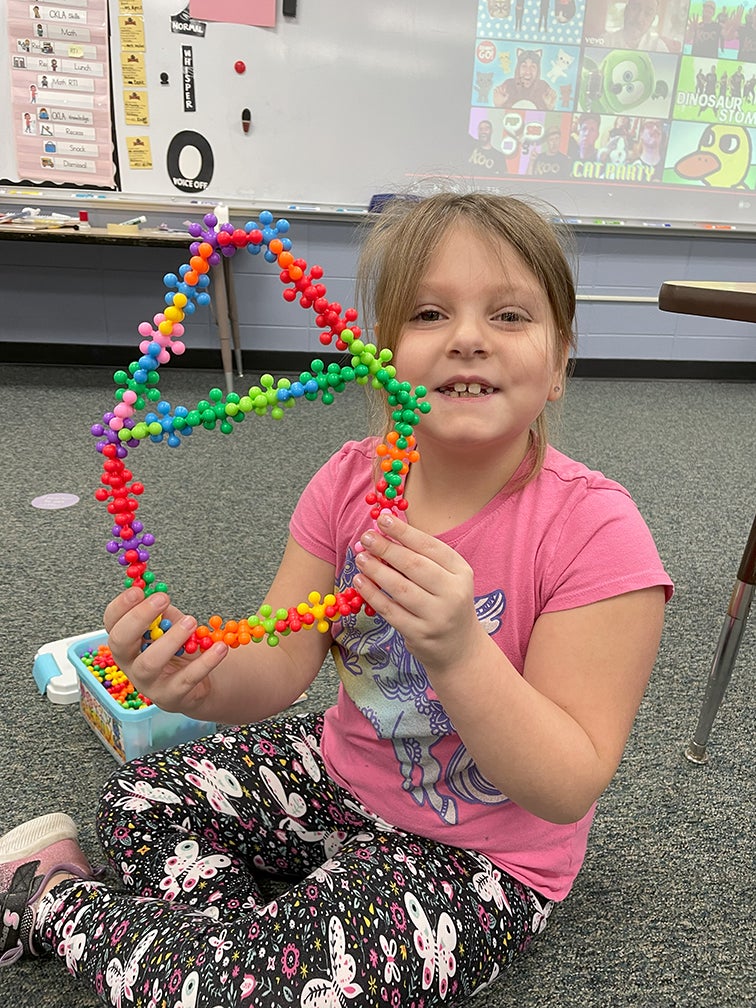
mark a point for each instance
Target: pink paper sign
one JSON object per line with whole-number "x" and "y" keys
{"x": 261, "y": 13}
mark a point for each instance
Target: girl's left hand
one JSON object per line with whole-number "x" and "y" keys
{"x": 424, "y": 589}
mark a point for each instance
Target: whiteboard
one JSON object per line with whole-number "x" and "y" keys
{"x": 347, "y": 100}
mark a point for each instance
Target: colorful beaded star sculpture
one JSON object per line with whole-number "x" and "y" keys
{"x": 137, "y": 394}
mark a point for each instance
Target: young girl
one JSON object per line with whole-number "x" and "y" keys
{"x": 429, "y": 821}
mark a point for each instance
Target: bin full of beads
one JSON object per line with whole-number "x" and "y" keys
{"x": 127, "y": 723}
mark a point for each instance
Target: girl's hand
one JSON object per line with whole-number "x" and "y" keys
{"x": 424, "y": 589}
{"x": 173, "y": 683}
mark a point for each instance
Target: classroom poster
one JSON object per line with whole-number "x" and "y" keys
{"x": 60, "y": 92}
{"x": 630, "y": 92}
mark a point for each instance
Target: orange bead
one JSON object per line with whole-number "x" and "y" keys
{"x": 276, "y": 246}
{"x": 199, "y": 264}
{"x": 285, "y": 259}
{"x": 215, "y": 622}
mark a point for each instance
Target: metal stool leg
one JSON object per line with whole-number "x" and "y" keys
{"x": 727, "y": 650}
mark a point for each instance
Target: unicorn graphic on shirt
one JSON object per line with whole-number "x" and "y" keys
{"x": 391, "y": 689}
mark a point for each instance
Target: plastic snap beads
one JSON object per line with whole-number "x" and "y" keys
{"x": 141, "y": 415}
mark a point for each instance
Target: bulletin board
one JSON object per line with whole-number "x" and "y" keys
{"x": 560, "y": 99}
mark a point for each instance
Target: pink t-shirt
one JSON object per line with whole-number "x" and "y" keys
{"x": 568, "y": 538}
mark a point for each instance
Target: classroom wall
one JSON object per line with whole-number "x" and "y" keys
{"x": 93, "y": 296}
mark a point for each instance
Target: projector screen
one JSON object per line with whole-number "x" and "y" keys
{"x": 640, "y": 109}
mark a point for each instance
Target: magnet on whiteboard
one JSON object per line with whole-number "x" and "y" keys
{"x": 246, "y": 119}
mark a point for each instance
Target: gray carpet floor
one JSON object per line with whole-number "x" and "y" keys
{"x": 662, "y": 914}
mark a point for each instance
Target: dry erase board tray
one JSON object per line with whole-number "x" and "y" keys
{"x": 127, "y": 734}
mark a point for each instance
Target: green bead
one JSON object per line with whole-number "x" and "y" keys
{"x": 215, "y": 394}
{"x": 120, "y": 377}
{"x": 267, "y": 381}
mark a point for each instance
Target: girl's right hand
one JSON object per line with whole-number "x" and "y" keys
{"x": 174, "y": 683}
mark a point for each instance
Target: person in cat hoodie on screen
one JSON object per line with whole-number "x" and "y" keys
{"x": 526, "y": 88}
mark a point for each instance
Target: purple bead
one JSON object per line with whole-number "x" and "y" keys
{"x": 214, "y": 258}
{"x": 143, "y": 555}
{"x": 194, "y": 248}
{"x": 137, "y": 526}
{"x": 194, "y": 229}
{"x": 123, "y": 561}
{"x": 210, "y": 220}
{"x": 97, "y": 430}
{"x": 113, "y": 546}
{"x": 148, "y": 539}
{"x": 228, "y": 251}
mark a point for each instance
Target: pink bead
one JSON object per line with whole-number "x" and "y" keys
{"x": 178, "y": 329}
{"x": 178, "y": 347}
{"x": 145, "y": 329}
{"x": 163, "y": 357}
{"x": 115, "y": 423}
{"x": 123, "y": 410}
{"x": 130, "y": 397}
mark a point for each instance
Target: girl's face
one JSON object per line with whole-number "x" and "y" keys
{"x": 481, "y": 338}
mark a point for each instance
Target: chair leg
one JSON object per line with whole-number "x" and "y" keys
{"x": 727, "y": 651}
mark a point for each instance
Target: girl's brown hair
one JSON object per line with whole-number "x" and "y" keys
{"x": 404, "y": 236}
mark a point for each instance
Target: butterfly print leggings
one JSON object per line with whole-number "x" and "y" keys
{"x": 370, "y": 915}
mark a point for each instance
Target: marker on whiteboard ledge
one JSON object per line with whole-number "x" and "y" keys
{"x": 133, "y": 220}
{"x": 302, "y": 206}
{"x": 246, "y": 119}
{"x": 718, "y": 227}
